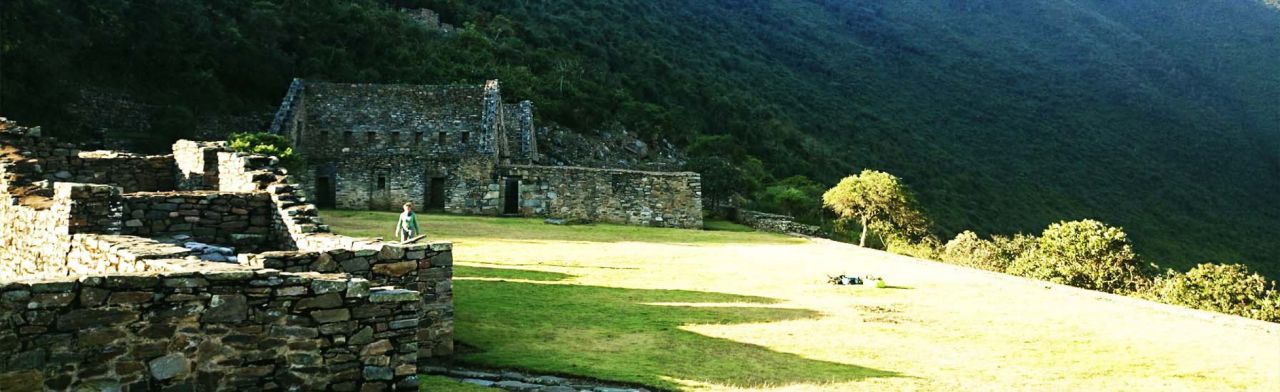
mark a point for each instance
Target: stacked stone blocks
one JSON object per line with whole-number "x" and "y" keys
{"x": 89, "y": 301}
{"x": 602, "y": 195}
{"x": 777, "y": 223}
{"x": 458, "y": 148}
{"x": 220, "y": 330}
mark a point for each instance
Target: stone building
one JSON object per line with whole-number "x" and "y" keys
{"x": 459, "y": 149}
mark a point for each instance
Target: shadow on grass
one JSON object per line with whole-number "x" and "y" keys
{"x": 617, "y": 334}
{"x": 508, "y": 273}
{"x": 463, "y": 228}
{"x": 549, "y": 264}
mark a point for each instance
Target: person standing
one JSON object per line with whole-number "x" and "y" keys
{"x": 407, "y": 228}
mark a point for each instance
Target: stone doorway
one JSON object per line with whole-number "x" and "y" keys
{"x": 435, "y": 194}
{"x": 511, "y": 199}
{"x": 325, "y": 194}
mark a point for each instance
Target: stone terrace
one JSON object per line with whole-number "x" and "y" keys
{"x": 100, "y": 287}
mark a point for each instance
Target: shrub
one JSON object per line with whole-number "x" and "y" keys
{"x": 1226, "y": 288}
{"x": 266, "y": 144}
{"x": 1086, "y": 254}
{"x": 969, "y": 250}
{"x": 996, "y": 254}
{"x": 927, "y": 247}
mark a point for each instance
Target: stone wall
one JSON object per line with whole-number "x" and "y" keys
{"x": 233, "y": 329}
{"x": 776, "y": 223}
{"x": 89, "y": 208}
{"x": 239, "y": 172}
{"x": 428, "y": 18}
{"x": 36, "y": 241}
{"x": 246, "y": 221}
{"x": 424, "y": 268}
{"x": 519, "y": 135}
{"x": 600, "y": 195}
{"x": 333, "y": 120}
{"x": 70, "y": 320}
{"x": 381, "y": 182}
{"x": 130, "y": 172}
{"x": 30, "y": 159}
{"x": 197, "y": 164}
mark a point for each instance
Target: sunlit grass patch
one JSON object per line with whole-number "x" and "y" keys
{"x": 733, "y": 312}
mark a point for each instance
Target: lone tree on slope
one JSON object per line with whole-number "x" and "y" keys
{"x": 878, "y": 200}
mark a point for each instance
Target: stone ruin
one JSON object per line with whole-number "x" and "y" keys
{"x": 460, "y": 149}
{"x": 428, "y": 18}
{"x": 102, "y": 288}
{"x": 775, "y": 223}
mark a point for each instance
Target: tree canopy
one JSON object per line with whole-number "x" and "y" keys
{"x": 878, "y": 201}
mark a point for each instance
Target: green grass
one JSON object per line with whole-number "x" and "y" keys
{"x": 381, "y": 224}
{"x": 667, "y": 309}
{"x": 634, "y": 335}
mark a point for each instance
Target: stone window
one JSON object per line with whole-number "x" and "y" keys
{"x": 440, "y": 138}
{"x": 372, "y": 136}
{"x": 395, "y": 137}
{"x": 324, "y": 135}
{"x": 417, "y": 138}
{"x": 466, "y": 137}
{"x": 382, "y": 183}
{"x": 346, "y": 137}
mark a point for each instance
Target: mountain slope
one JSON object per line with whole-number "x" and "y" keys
{"x": 1158, "y": 116}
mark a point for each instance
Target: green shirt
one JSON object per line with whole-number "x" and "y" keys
{"x": 408, "y": 222}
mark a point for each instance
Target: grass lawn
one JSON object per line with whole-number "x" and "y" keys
{"x": 725, "y": 309}
{"x": 440, "y": 383}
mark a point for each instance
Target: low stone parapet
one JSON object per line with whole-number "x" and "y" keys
{"x": 777, "y": 223}
{"x": 231, "y": 329}
{"x": 424, "y": 268}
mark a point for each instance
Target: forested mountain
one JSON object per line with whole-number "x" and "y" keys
{"x": 1161, "y": 116}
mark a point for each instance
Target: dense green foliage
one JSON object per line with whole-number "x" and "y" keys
{"x": 1093, "y": 255}
{"x": 1084, "y": 253}
{"x": 1156, "y": 115}
{"x": 876, "y": 201}
{"x": 1226, "y": 288}
{"x": 996, "y": 254}
{"x": 266, "y": 144}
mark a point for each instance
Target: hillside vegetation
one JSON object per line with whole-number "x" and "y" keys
{"x": 1158, "y": 116}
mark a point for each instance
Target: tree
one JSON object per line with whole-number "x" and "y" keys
{"x": 878, "y": 200}
{"x": 797, "y": 196}
{"x": 1085, "y": 253}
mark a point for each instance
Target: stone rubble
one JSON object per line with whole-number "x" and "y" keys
{"x": 526, "y": 382}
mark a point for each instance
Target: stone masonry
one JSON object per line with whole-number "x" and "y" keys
{"x": 460, "y": 149}
{"x": 97, "y": 293}
{"x": 777, "y": 223}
